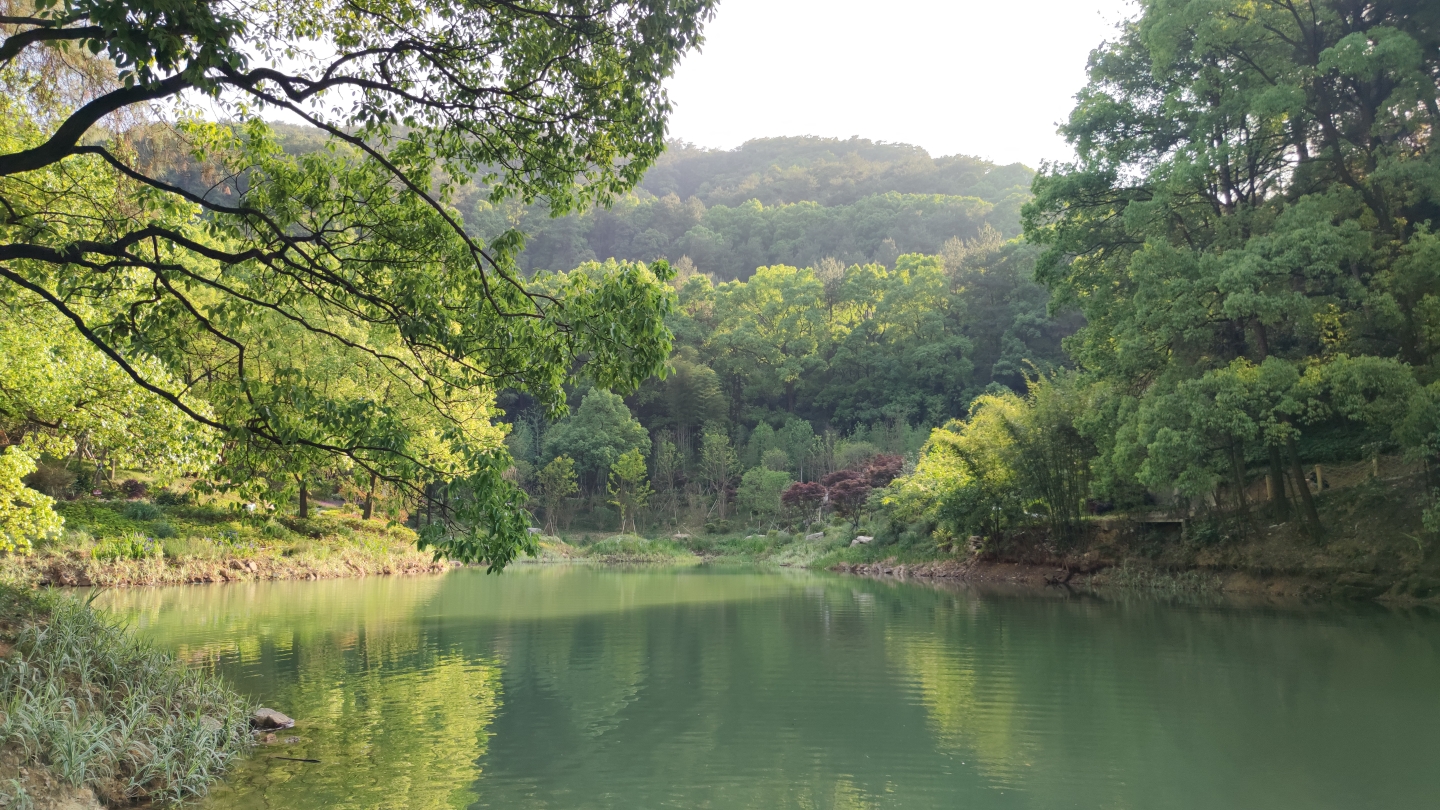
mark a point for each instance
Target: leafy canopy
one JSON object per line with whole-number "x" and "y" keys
{"x": 350, "y": 256}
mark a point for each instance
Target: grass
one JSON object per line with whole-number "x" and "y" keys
{"x": 768, "y": 548}
{"x": 620, "y": 548}
{"x": 87, "y": 706}
{"x": 139, "y": 542}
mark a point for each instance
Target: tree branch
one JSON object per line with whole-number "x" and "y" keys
{"x": 62, "y": 143}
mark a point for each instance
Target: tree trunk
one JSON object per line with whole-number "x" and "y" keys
{"x": 370, "y": 498}
{"x": 304, "y": 501}
{"x": 1307, "y": 501}
{"x": 1237, "y": 474}
{"x": 1278, "y": 503}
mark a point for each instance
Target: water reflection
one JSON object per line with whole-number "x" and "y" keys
{"x": 599, "y": 688}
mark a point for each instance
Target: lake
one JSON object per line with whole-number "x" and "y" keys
{"x": 726, "y": 688}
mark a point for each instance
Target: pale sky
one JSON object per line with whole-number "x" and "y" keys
{"x": 990, "y": 79}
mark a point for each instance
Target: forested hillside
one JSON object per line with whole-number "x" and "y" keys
{"x": 799, "y": 372}
{"x": 794, "y": 201}
{"x": 1233, "y": 281}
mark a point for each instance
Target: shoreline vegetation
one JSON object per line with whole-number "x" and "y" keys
{"x": 1378, "y": 548}
{"x": 92, "y": 715}
{"x": 120, "y": 542}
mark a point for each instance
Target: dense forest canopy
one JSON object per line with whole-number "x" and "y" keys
{"x": 828, "y": 171}
{"x": 1234, "y": 279}
{"x": 794, "y": 201}
{"x": 327, "y": 312}
{"x": 1248, "y": 229}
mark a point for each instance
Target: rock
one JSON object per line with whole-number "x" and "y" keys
{"x": 861, "y": 540}
{"x": 211, "y": 725}
{"x": 291, "y": 740}
{"x": 535, "y": 530}
{"x": 681, "y": 536}
{"x": 810, "y": 538}
{"x": 269, "y": 719}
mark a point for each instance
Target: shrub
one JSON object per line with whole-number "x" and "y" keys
{"x": 142, "y": 510}
{"x": 53, "y": 478}
{"x": 161, "y": 530}
{"x": 133, "y": 546}
{"x": 179, "y": 548}
{"x": 169, "y": 497}
{"x": 133, "y": 488}
{"x": 274, "y": 530}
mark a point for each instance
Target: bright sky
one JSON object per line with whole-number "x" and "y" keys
{"x": 975, "y": 77}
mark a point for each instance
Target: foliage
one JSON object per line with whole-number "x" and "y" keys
{"x": 101, "y": 710}
{"x": 1242, "y": 230}
{"x": 758, "y": 495}
{"x": 718, "y": 464}
{"x": 800, "y": 349}
{"x": 133, "y": 546}
{"x": 329, "y": 310}
{"x": 1013, "y": 454}
{"x": 632, "y": 548}
{"x": 629, "y": 491}
{"x": 600, "y": 431}
{"x": 804, "y": 497}
{"x": 775, "y": 201}
{"x": 555, "y": 484}
{"x": 1050, "y": 456}
{"x": 25, "y": 515}
{"x": 847, "y": 492}
{"x": 142, "y": 510}
{"x": 56, "y": 383}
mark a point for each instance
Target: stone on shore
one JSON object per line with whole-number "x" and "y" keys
{"x": 269, "y": 719}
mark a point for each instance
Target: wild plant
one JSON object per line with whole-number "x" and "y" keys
{"x": 100, "y": 709}
{"x": 132, "y": 546}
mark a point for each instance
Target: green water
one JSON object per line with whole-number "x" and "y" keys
{"x": 581, "y": 687}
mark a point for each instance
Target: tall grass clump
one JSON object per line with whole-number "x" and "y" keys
{"x": 99, "y": 709}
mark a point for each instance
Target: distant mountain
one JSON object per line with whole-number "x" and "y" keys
{"x": 793, "y": 201}
{"x": 825, "y": 170}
